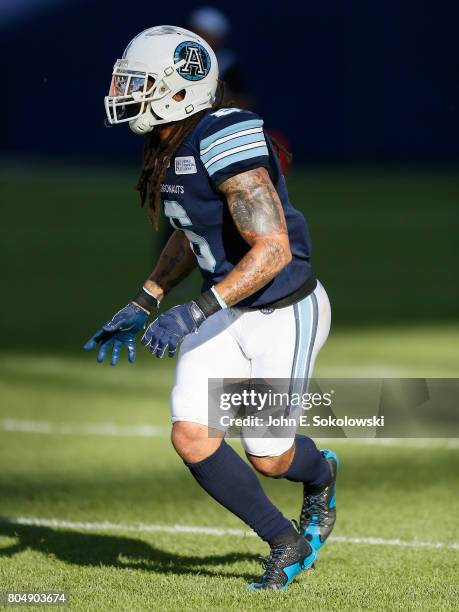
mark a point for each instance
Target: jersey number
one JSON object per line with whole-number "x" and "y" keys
{"x": 180, "y": 220}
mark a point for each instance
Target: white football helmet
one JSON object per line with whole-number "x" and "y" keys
{"x": 156, "y": 65}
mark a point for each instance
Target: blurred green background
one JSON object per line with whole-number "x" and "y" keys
{"x": 76, "y": 246}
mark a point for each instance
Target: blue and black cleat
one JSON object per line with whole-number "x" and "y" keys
{"x": 318, "y": 514}
{"x": 283, "y": 564}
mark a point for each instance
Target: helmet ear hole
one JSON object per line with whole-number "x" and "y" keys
{"x": 180, "y": 95}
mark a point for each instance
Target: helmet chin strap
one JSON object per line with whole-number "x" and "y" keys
{"x": 143, "y": 124}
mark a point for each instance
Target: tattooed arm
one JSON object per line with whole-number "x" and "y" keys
{"x": 257, "y": 212}
{"x": 175, "y": 263}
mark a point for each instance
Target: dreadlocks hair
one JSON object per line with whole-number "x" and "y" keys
{"x": 158, "y": 154}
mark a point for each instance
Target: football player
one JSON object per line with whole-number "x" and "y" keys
{"x": 261, "y": 314}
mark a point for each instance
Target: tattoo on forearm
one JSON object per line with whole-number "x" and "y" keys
{"x": 258, "y": 215}
{"x": 175, "y": 263}
{"x": 254, "y": 271}
{"x": 168, "y": 264}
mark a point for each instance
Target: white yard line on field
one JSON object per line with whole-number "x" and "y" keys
{"x": 91, "y": 429}
{"x": 153, "y": 431}
{"x": 210, "y": 531}
{"x": 450, "y": 443}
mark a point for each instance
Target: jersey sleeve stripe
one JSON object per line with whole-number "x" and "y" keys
{"x": 233, "y": 143}
{"x": 260, "y": 145}
{"x": 231, "y": 129}
{"x": 230, "y": 137}
{"x": 236, "y": 155}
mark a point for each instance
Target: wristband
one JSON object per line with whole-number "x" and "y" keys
{"x": 220, "y": 300}
{"x": 208, "y": 303}
{"x": 146, "y": 300}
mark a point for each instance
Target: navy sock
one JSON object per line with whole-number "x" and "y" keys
{"x": 231, "y": 482}
{"x": 308, "y": 465}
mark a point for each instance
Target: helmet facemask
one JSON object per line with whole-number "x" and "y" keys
{"x": 145, "y": 99}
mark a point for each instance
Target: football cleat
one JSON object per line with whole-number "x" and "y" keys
{"x": 283, "y": 564}
{"x": 318, "y": 514}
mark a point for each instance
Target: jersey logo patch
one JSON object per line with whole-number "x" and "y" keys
{"x": 185, "y": 165}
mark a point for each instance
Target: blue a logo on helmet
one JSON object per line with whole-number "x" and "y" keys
{"x": 197, "y": 60}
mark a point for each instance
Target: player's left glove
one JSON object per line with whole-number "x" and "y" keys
{"x": 170, "y": 328}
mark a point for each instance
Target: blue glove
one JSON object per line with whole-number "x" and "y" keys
{"x": 121, "y": 330}
{"x": 170, "y": 328}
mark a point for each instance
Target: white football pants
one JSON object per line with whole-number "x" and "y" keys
{"x": 235, "y": 343}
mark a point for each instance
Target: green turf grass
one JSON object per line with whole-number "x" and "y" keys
{"x": 384, "y": 492}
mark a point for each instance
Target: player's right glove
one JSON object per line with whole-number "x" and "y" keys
{"x": 122, "y": 329}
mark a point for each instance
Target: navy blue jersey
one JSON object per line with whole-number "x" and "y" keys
{"x": 225, "y": 143}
